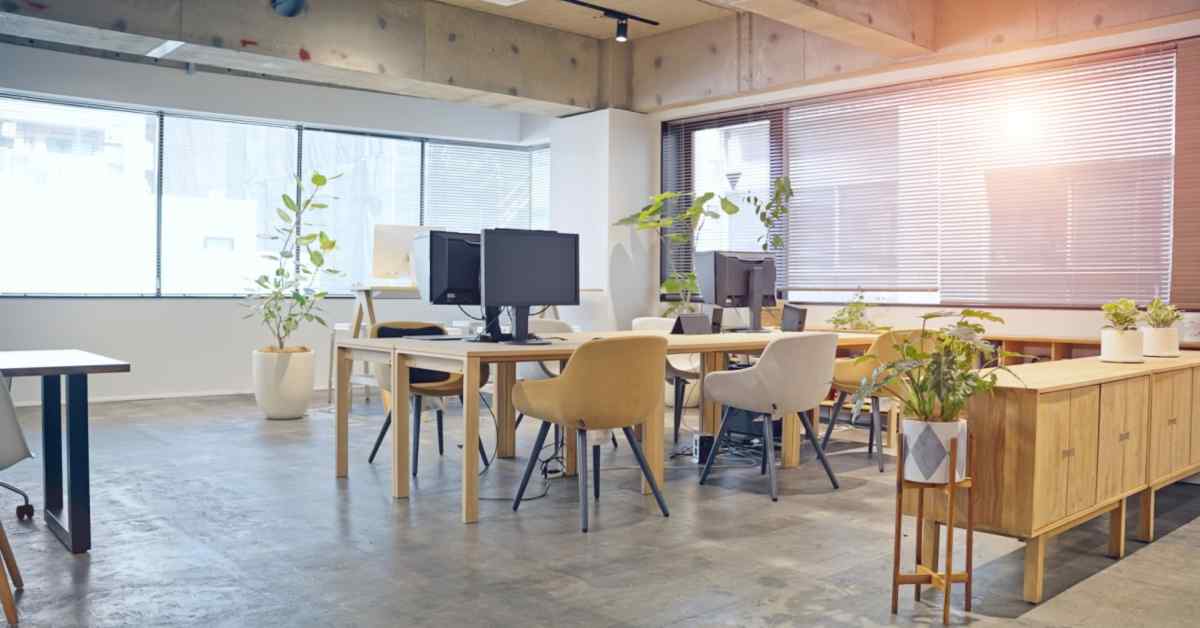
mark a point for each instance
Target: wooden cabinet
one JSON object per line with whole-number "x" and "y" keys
{"x": 1195, "y": 459}
{"x": 1170, "y": 423}
{"x": 1065, "y": 462}
{"x": 1124, "y": 416}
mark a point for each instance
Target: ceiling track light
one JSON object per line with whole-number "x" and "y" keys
{"x": 621, "y": 17}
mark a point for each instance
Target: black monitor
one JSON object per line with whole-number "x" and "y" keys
{"x": 446, "y": 265}
{"x": 732, "y": 279}
{"x": 523, "y": 268}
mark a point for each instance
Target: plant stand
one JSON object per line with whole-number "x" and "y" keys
{"x": 928, "y": 574}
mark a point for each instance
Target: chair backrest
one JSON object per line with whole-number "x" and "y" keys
{"x": 884, "y": 347}
{"x": 796, "y": 371}
{"x": 615, "y": 382}
{"x": 549, "y": 326}
{"x": 653, "y": 323}
{"x": 543, "y": 327}
{"x": 13, "y": 447}
{"x": 402, "y": 329}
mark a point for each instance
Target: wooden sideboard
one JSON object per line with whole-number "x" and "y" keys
{"x": 1069, "y": 440}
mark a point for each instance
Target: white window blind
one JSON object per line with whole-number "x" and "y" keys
{"x": 471, "y": 187}
{"x": 539, "y": 177}
{"x": 1045, "y": 186}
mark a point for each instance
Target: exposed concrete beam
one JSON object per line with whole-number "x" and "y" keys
{"x": 892, "y": 28}
{"x": 410, "y": 47}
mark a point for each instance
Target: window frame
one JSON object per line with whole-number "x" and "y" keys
{"x": 162, "y": 114}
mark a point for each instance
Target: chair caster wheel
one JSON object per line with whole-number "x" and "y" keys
{"x": 25, "y": 512}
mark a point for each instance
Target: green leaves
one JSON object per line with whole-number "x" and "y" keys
{"x": 1122, "y": 314}
{"x": 1160, "y": 315}
{"x": 319, "y": 179}
{"x": 289, "y": 203}
{"x": 729, "y": 207}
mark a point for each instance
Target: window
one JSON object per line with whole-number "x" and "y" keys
{"x": 221, "y": 184}
{"x": 87, "y": 211}
{"x": 1050, "y": 186}
{"x": 380, "y": 184}
{"x": 80, "y": 200}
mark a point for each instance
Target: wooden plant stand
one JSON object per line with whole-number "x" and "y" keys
{"x": 928, "y": 574}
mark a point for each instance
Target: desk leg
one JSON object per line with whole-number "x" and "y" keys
{"x": 470, "y": 461}
{"x": 400, "y": 426}
{"x": 652, "y": 440}
{"x": 342, "y": 364}
{"x": 790, "y": 441}
{"x": 76, "y": 531}
{"x": 710, "y": 411}
{"x": 506, "y": 416}
{"x": 569, "y": 440}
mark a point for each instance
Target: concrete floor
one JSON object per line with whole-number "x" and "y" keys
{"x": 206, "y": 515}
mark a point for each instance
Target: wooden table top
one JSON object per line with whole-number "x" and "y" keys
{"x": 564, "y": 344}
{"x": 1066, "y": 374}
{"x": 58, "y": 362}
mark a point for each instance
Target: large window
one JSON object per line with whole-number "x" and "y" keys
{"x": 1046, "y": 186}
{"x": 79, "y": 188}
{"x": 87, "y": 211}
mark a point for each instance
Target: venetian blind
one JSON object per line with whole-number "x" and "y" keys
{"x": 1185, "y": 275}
{"x": 471, "y": 187}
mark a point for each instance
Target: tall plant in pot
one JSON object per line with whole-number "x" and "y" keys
{"x": 286, "y": 298}
{"x": 936, "y": 374}
{"x": 1121, "y": 340}
{"x": 1161, "y": 336}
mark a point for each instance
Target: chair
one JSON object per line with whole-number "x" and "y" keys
{"x": 848, "y": 374}
{"x": 13, "y": 449}
{"x": 422, "y": 383}
{"x": 680, "y": 368}
{"x": 608, "y": 384}
{"x": 791, "y": 376}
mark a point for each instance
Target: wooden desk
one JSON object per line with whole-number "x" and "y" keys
{"x": 75, "y": 530}
{"x": 1071, "y": 440}
{"x": 467, "y": 357}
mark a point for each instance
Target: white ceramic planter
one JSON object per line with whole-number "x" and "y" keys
{"x": 1117, "y": 345}
{"x": 1161, "y": 342}
{"x": 927, "y": 450}
{"x": 283, "y": 383}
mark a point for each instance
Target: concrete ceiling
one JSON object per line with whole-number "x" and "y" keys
{"x": 671, "y": 14}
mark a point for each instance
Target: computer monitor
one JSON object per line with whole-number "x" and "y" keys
{"x": 446, "y": 265}
{"x": 733, "y": 279}
{"x": 523, "y": 268}
{"x": 794, "y": 317}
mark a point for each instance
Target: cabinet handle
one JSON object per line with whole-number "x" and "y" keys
{"x": 1123, "y": 436}
{"x": 1172, "y": 421}
{"x": 1067, "y": 453}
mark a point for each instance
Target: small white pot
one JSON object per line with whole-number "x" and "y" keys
{"x": 1121, "y": 345}
{"x": 1161, "y": 342}
{"x": 927, "y": 450}
{"x": 283, "y": 383}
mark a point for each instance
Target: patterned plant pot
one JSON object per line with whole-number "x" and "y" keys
{"x": 927, "y": 450}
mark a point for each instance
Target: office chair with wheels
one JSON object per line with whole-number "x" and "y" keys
{"x": 422, "y": 383}
{"x": 13, "y": 449}
{"x": 612, "y": 383}
{"x": 791, "y": 377}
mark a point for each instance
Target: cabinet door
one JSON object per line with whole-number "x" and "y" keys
{"x": 1162, "y": 409}
{"x": 1195, "y": 416}
{"x": 1082, "y": 449}
{"x": 1181, "y": 400}
{"x": 1051, "y": 466}
{"x": 1134, "y": 436}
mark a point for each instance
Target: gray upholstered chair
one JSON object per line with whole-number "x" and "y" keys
{"x": 792, "y": 376}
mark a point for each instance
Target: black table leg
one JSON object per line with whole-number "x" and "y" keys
{"x": 76, "y": 532}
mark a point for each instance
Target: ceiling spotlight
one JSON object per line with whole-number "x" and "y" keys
{"x": 621, "y": 17}
{"x": 622, "y": 29}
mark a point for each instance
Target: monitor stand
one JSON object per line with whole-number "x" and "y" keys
{"x": 521, "y": 335}
{"x": 756, "y": 281}
{"x": 491, "y": 331}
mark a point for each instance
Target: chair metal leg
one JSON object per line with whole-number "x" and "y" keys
{"x": 581, "y": 471}
{"x": 769, "y": 454}
{"x": 820, "y": 452}
{"x": 387, "y": 422}
{"x": 483, "y": 454}
{"x": 533, "y": 460}
{"x": 762, "y": 457}
{"x": 614, "y": 439}
{"x": 416, "y": 432}
{"x": 641, "y": 459}
{"x": 877, "y": 430}
{"x": 680, "y": 394}
{"x": 716, "y": 445}
{"x": 441, "y": 442}
{"x": 833, "y": 415}
{"x": 596, "y": 471}
{"x": 520, "y": 417}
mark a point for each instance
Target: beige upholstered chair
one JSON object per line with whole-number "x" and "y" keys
{"x": 613, "y": 383}
{"x": 680, "y": 368}
{"x": 422, "y": 383}
{"x": 13, "y": 449}
{"x": 792, "y": 376}
{"x": 848, "y": 374}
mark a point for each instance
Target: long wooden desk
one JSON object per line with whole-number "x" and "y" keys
{"x": 1066, "y": 441}
{"x": 468, "y": 357}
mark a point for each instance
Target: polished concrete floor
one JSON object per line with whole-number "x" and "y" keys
{"x": 206, "y": 515}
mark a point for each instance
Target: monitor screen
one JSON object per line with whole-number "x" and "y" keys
{"x": 529, "y": 268}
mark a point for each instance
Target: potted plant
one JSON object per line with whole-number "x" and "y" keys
{"x": 286, "y": 298}
{"x": 936, "y": 374}
{"x": 1161, "y": 337}
{"x": 679, "y": 287}
{"x": 853, "y": 315}
{"x": 1121, "y": 340}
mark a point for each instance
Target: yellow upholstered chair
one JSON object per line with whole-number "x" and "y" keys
{"x": 848, "y": 374}
{"x": 612, "y": 383}
{"x": 422, "y": 383}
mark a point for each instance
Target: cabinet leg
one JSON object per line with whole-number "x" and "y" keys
{"x": 1145, "y": 532}
{"x": 1116, "y": 531}
{"x": 1035, "y": 569}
